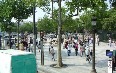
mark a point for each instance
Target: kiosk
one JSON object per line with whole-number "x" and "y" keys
{"x": 17, "y": 61}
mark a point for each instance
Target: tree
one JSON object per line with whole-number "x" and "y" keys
{"x": 20, "y": 9}
{"x": 83, "y": 5}
{"x": 46, "y": 25}
{"x": 6, "y": 17}
{"x": 44, "y": 5}
{"x": 109, "y": 22}
{"x": 26, "y": 27}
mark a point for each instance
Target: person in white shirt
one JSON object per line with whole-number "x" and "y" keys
{"x": 87, "y": 51}
{"x": 69, "y": 49}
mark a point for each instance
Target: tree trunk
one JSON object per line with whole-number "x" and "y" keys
{"x": 59, "y": 57}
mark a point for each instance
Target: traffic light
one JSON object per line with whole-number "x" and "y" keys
{"x": 41, "y": 35}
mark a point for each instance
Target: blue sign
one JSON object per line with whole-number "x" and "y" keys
{"x": 109, "y": 53}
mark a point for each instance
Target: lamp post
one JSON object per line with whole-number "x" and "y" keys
{"x": 93, "y": 22}
{"x": 34, "y": 29}
{"x": 52, "y": 8}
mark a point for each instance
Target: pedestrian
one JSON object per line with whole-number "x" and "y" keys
{"x": 50, "y": 46}
{"x": 98, "y": 41}
{"x": 52, "y": 53}
{"x": 91, "y": 52}
{"x": 83, "y": 49}
{"x": 31, "y": 40}
{"x": 76, "y": 49}
{"x": 69, "y": 49}
{"x": 39, "y": 46}
{"x": 66, "y": 44}
{"x": 31, "y": 44}
{"x": 110, "y": 42}
{"x": 87, "y": 53}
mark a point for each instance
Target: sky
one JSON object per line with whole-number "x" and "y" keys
{"x": 40, "y": 14}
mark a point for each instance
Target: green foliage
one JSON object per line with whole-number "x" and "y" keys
{"x": 20, "y": 9}
{"x": 81, "y": 5}
{"x": 46, "y": 25}
{"x": 109, "y": 22}
{"x": 5, "y": 16}
{"x": 44, "y": 5}
{"x": 86, "y": 20}
{"x": 26, "y": 27}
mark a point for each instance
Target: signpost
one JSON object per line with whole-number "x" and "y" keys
{"x": 109, "y": 53}
{"x": 110, "y": 67}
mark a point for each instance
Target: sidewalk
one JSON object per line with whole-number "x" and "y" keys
{"x": 76, "y": 64}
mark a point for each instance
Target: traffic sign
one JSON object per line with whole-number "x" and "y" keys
{"x": 109, "y": 53}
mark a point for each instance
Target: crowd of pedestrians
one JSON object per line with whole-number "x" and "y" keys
{"x": 25, "y": 44}
{"x": 81, "y": 47}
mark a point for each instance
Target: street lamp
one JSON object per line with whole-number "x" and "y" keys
{"x": 34, "y": 28}
{"x": 93, "y": 22}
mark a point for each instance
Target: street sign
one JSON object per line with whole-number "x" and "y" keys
{"x": 109, "y": 53}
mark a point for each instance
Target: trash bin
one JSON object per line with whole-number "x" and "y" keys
{"x": 17, "y": 61}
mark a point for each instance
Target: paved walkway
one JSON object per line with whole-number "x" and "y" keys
{"x": 76, "y": 64}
